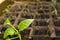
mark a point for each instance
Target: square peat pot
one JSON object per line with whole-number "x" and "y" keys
{"x": 25, "y": 34}
{"x": 41, "y": 38}
{"x": 57, "y": 39}
{"x": 1, "y": 37}
{"x": 22, "y": 38}
{"x": 25, "y": 39}
{"x": 57, "y": 33}
{"x": 40, "y": 35}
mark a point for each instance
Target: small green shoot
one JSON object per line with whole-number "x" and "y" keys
{"x": 47, "y": 20}
{"x": 12, "y": 30}
{"x": 6, "y": 9}
{"x": 54, "y": 2}
{"x": 54, "y": 12}
{"x": 58, "y": 18}
{"x": 7, "y": 22}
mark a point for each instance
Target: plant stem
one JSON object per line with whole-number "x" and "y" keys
{"x": 16, "y": 32}
{"x": 14, "y": 38}
{"x": 19, "y": 35}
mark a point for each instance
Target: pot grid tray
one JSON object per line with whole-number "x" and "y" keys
{"x": 44, "y": 25}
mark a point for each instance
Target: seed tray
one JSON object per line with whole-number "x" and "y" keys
{"x": 44, "y": 25}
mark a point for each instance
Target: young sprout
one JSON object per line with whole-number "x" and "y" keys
{"x": 26, "y": 5}
{"x": 41, "y": 8}
{"x": 58, "y": 18}
{"x": 12, "y": 30}
{"x": 8, "y": 6}
{"x": 53, "y": 2}
{"x": 55, "y": 12}
{"x": 37, "y": 14}
{"x": 6, "y": 9}
{"x": 48, "y": 29}
{"x": 19, "y": 6}
{"x": 47, "y": 20}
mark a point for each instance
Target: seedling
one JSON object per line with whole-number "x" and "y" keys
{"x": 58, "y": 18}
{"x": 13, "y": 31}
{"x": 37, "y": 14}
{"x": 6, "y": 9}
{"x": 54, "y": 12}
{"x": 19, "y": 7}
{"x": 47, "y": 20}
{"x": 48, "y": 29}
{"x": 53, "y": 2}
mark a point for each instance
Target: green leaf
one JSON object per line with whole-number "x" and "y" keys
{"x": 24, "y": 24}
{"x": 7, "y": 21}
{"x": 8, "y": 39}
{"x": 9, "y": 31}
